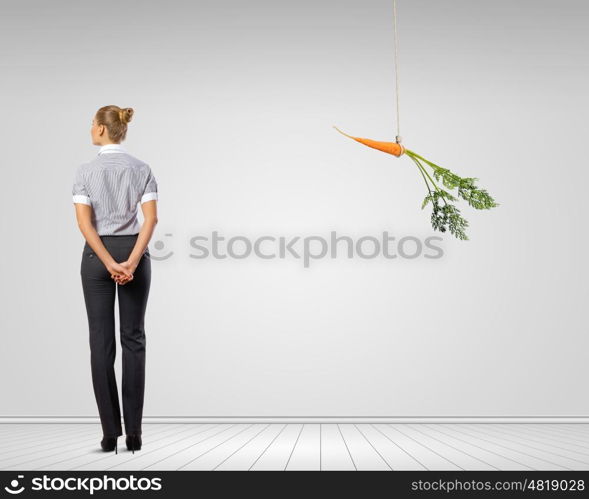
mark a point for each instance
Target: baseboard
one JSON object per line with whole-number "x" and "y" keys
{"x": 305, "y": 419}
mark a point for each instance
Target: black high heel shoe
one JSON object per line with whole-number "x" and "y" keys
{"x": 133, "y": 442}
{"x": 109, "y": 444}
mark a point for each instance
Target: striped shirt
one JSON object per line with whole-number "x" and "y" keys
{"x": 114, "y": 183}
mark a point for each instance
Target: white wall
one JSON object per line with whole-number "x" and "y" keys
{"x": 234, "y": 105}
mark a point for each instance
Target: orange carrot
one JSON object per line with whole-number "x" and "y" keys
{"x": 389, "y": 147}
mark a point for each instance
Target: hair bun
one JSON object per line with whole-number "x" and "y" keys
{"x": 126, "y": 114}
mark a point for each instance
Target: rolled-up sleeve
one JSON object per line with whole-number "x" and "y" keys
{"x": 149, "y": 192}
{"x": 79, "y": 191}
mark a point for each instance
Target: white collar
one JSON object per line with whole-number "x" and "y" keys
{"x": 109, "y": 148}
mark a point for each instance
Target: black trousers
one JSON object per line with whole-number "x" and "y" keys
{"x": 99, "y": 295}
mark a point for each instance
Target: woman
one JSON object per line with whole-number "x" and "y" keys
{"x": 106, "y": 193}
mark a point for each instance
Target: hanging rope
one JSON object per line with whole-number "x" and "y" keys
{"x": 398, "y": 138}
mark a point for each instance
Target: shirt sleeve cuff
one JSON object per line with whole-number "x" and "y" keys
{"x": 79, "y": 198}
{"x": 150, "y": 196}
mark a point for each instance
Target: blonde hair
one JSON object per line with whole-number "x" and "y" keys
{"x": 115, "y": 119}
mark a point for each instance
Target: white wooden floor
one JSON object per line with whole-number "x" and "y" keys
{"x": 279, "y": 446}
